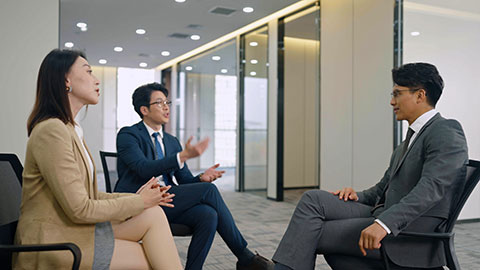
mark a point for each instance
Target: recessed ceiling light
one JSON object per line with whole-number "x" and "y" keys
{"x": 254, "y": 61}
{"x": 179, "y": 1}
{"x": 253, "y": 73}
{"x": 188, "y": 68}
{"x": 83, "y": 29}
{"x": 216, "y": 58}
{"x": 165, "y": 53}
{"x": 143, "y": 64}
{"x": 69, "y": 44}
{"x": 194, "y": 37}
{"x": 140, "y": 31}
{"x": 118, "y": 49}
{"x": 254, "y": 44}
{"x": 102, "y": 61}
{"x": 223, "y": 70}
{"x": 415, "y": 33}
{"x": 81, "y": 25}
{"x": 248, "y": 9}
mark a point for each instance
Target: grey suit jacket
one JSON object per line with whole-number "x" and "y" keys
{"x": 421, "y": 185}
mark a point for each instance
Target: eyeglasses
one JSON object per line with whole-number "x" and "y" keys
{"x": 162, "y": 103}
{"x": 397, "y": 92}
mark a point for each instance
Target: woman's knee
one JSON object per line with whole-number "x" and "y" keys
{"x": 155, "y": 214}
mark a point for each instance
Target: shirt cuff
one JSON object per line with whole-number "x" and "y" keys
{"x": 379, "y": 222}
{"x": 180, "y": 164}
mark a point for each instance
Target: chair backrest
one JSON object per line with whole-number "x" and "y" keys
{"x": 472, "y": 177}
{"x": 109, "y": 165}
{"x": 10, "y": 199}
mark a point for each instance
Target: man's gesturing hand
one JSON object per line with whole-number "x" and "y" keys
{"x": 192, "y": 151}
{"x": 346, "y": 194}
{"x": 211, "y": 174}
{"x": 371, "y": 237}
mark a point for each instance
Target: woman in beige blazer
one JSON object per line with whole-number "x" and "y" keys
{"x": 60, "y": 200}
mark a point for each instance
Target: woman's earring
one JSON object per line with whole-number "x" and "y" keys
{"x": 69, "y": 89}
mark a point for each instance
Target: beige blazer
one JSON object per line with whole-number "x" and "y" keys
{"x": 60, "y": 201}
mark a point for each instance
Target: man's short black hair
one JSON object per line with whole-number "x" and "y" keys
{"x": 141, "y": 96}
{"x": 424, "y": 75}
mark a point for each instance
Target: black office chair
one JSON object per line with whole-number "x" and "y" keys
{"x": 109, "y": 161}
{"x": 447, "y": 237}
{"x": 10, "y": 198}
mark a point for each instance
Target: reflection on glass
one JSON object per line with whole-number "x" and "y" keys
{"x": 255, "y": 109}
{"x": 206, "y": 104}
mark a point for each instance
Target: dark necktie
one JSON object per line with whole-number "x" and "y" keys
{"x": 410, "y": 133}
{"x": 160, "y": 155}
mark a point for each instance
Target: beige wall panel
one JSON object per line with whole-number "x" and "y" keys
{"x": 29, "y": 31}
{"x": 336, "y": 94}
{"x": 372, "y": 113}
{"x": 272, "y": 111}
{"x": 300, "y": 112}
{"x": 294, "y": 121}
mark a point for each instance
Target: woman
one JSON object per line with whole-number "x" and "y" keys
{"x": 60, "y": 200}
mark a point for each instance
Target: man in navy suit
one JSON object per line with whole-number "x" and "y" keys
{"x": 146, "y": 151}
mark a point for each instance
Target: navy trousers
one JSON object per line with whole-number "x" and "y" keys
{"x": 201, "y": 207}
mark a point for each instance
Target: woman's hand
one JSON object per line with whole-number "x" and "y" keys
{"x": 152, "y": 194}
{"x": 167, "y": 197}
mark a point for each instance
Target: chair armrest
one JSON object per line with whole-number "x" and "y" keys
{"x": 427, "y": 235}
{"x": 74, "y": 249}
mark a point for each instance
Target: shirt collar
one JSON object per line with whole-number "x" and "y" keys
{"x": 422, "y": 120}
{"x": 151, "y": 131}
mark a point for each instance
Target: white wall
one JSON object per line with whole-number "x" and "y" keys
{"x": 456, "y": 58}
{"x": 356, "y": 118}
{"x": 29, "y": 30}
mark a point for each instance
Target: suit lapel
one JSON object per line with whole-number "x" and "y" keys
{"x": 144, "y": 133}
{"x": 92, "y": 184}
{"x": 82, "y": 154}
{"x": 420, "y": 133}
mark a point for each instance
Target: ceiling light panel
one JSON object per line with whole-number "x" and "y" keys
{"x": 248, "y": 9}
{"x": 194, "y": 37}
{"x": 118, "y": 49}
{"x": 140, "y": 31}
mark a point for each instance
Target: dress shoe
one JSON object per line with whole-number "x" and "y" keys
{"x": 258, "y": 263}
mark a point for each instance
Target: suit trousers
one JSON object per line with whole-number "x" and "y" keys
{"x": 324, "y": 224}
{"x": 201, "y": 207}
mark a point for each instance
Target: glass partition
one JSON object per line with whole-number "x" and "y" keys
{"x": 206, "y": 104}
{"x": 301, "y": 82}
{"x": 255, "y": 86}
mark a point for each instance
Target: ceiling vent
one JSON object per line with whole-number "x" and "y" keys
{"x": 195, "y": 26}
{"x": 179, "y": 35}
{"x": 222, "y": 11}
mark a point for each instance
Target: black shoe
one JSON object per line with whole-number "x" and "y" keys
{"x": 257, "y": 263}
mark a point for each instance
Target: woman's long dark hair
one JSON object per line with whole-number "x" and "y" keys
{"x": 52, "y": 96}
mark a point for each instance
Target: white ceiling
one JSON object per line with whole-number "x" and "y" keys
{"x": 113, "y": 23}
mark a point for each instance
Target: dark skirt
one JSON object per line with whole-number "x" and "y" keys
{"x": 104, "y": 244}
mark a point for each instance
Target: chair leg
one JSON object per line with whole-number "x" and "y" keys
{"x": 452, "y": 261}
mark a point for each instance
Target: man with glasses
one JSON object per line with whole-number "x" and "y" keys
{"x": 425, "y": 173}
{"x": 146, "y": 151}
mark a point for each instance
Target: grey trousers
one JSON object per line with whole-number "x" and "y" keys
{"x": 323, "y": 224}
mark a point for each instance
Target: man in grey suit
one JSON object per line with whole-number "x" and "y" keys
{"x": 425, "y": 174}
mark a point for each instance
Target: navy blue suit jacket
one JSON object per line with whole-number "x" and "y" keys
{"x": 136, "y": 162}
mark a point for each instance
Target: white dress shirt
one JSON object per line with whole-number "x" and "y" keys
{"x": 79, "y": 131}
{"x": 416, "y": 126}
{"x": 180, "y": 164}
